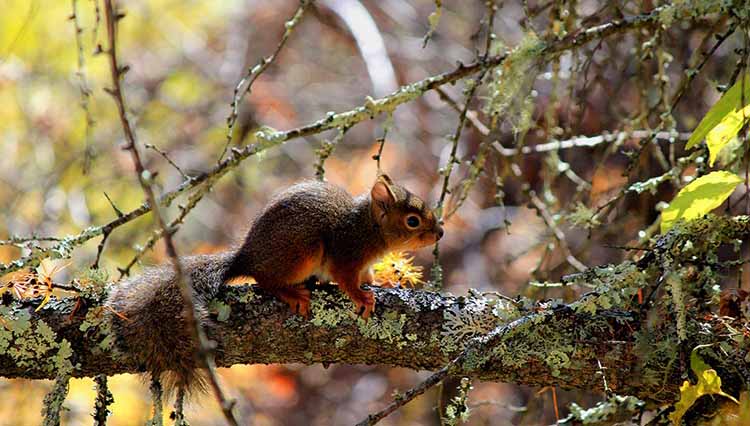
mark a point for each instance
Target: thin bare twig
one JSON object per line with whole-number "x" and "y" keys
{"x": 557, "y": 232}
{"x": 437, "y": 276}
{"x": 83, "y": 86}
{"x": 408, "y": 396}
{"x": 255, "y": 72}
{"x": 368, "y": 111}
{"x": 146, "y": 179}
{"x": 169, "y": 160}
{"x": 193, "y": 200}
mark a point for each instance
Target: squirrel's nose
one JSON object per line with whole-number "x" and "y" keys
{"x": 439, "y": 231}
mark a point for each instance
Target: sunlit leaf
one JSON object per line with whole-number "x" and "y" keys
{"x": 731, "y": 101}
{"x": 397, "y": 269}
{"x": 699, "y": 198}
{"x": 725, "y": 131}
{"x": 709, "y": 383}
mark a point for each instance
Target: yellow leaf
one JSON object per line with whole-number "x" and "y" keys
{"x": 723, "y": 133}
{"x": 699, "y": 198}
{"x": 397, "y": 270}
{"x": 731, "y": 101}
{"x": 709, "y": 383}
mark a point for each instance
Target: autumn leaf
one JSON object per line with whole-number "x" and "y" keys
{"x": 397, "y": 270}
{"x": 699, "y": 198}
{"x": 709, "y": 383}
{"x": 731, "y": 102}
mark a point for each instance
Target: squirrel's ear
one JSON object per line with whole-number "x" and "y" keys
{"x": 385, "y": 178}
{"x": 381, "y": 192}
{"x": 382, "y": 198}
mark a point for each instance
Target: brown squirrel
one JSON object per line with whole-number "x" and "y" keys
{"x": 312, "y": 229}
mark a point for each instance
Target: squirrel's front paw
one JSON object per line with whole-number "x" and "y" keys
{"x": 364, "y": 301}
{"x": 298, "y": 299}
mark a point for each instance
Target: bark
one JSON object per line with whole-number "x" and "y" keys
{"x": 577, "y": 345}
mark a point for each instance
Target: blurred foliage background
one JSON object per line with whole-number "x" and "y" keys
{"x": 61, "y": 145}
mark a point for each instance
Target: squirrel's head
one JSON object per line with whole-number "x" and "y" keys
{"x": 406, "y": 222}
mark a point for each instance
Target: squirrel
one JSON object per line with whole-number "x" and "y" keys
{"x": 312, "y": 229}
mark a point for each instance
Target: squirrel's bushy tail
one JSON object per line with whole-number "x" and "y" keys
{"x": 149, "y": 321}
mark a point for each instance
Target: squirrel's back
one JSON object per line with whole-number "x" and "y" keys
{"x": 144, "y": 305}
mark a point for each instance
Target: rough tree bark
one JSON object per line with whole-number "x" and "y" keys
{"x": 636, "y": 348}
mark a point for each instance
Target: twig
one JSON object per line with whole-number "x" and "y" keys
{"x": 193, "y": 200}
{"x": 368, "y": 111}
{"x": 103, "y": 400}
{"x": 169, "y": 160}
{"x": 409, "y": 395}
{"x": 437, "y": 278}
{"x": 157, "y": 392}
{"x": 559, "y": 235}
{"x": 84, "y": 86}
{"x": 588, "y": 141}
{"x": 118, "y": 212}
{"x": 693, "y": 71}
{"x": 22, "y": 241}
{"x": 255, "y": 72}
{"x": 325, "y": 151}
{"x": 145, "y": 178}
{"x": 100, "y": 248}
{"x": 381, "y": 140}
{"x": 53, "y": 401}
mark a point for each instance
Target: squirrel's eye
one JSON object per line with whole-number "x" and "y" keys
{"x": 413, "y": 221}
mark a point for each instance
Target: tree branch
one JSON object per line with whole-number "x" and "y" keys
{"x": 371, "y": 109}
{"x": 604, "y": 336}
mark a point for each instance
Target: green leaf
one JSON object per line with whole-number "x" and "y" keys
{"x": 725, "y": 131}
{"x": 699, "y": 198}
{"x": 731, "y": 101}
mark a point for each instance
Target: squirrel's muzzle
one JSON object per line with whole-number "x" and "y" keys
{"x": 438, "y": 231}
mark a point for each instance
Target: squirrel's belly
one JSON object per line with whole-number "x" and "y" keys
{"x": 322, "y": 274}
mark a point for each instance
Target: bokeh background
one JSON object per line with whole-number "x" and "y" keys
{"x": 60, "y": 145}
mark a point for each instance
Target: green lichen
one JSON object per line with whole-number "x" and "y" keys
{"x": 104, "y": 399}
{"x": 614, "y": 286}
{"x": 388, "y": 327}
{"x": 267, "y": 137}
{"x": 29, "y": 343}
{"x": 341, "y": 342}
{"x": 510, "y": 87}
{"x": 531, "y": 339}
{"x": 221, "y": 309}
{"x": 583, "y": 217}
{"x": 679, "y": 10}
{"x": 329, "y": 310}
{"x": 92, "y": 283}
{"x": 97, "y": 327}
{"x": 26, "y": 343}
{"x": 557, "y": 359}
{"x": 613, "y": 410}
{"x": 675, "y": 287}
{"x": 53, "y": 401}
{"x": 458, "y": 409}
{"x": 248, "y": 296}
{"x": 470, "y": 317}
{"x": 657, "y": 353}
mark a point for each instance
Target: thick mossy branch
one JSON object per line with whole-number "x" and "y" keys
{"x": 604, "y": 335}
